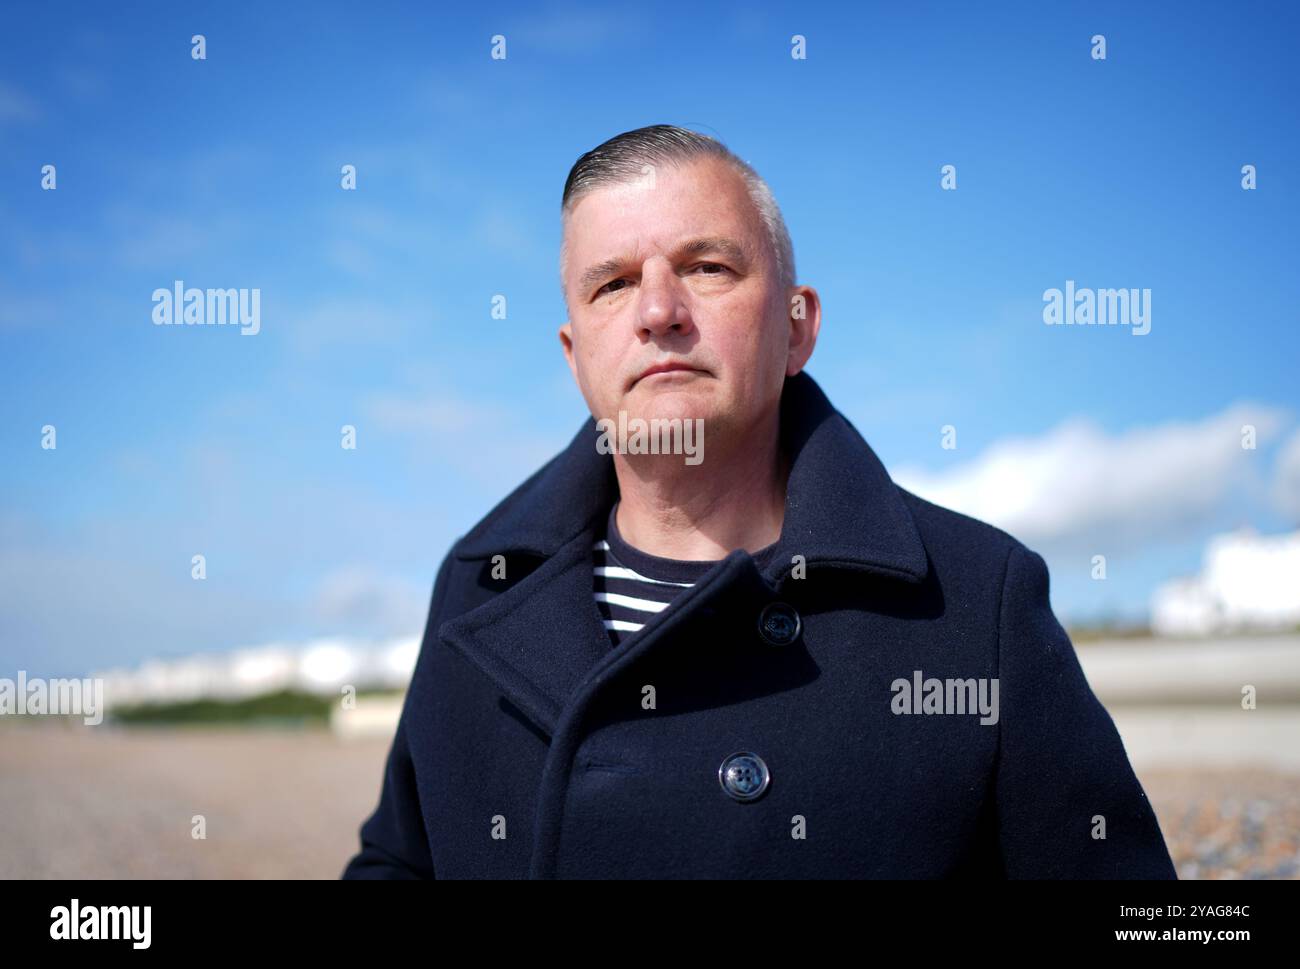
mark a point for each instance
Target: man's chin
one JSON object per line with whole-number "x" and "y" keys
{"x": 670, "y": 404}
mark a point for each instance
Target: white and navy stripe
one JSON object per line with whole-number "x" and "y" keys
{"x": 632, "y": 586}
{"x": 626, "y": 598}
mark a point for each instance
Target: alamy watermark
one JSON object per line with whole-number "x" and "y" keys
{"x": 1104, "y": 307}
{"x": 657, "y": 436}
{"x": 76, "y": 922}
{"x": 61, "y": 697}
{"x": 193, "y": 306}
{"x": 952, "y": 696}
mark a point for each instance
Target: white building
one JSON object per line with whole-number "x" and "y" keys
{"x": 321, "y": 666}
{"x": 1249, "y": 582}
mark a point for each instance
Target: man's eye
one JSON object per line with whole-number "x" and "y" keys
{"x": 704, "y": 265}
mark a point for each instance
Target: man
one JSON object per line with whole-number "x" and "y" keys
{"x": 742, "y": 652}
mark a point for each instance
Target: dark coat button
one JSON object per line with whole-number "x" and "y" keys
{"x": 779, "y": 624}
{"x": 744, "y": 776}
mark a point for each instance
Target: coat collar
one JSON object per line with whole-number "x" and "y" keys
{"x": 841, "y": 508}
{"x": 541, "y": 640}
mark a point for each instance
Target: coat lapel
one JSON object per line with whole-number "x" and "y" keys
{"x": 542, "y": 638}
{"x": 537, "y": 639}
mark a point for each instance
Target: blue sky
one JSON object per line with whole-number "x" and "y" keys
{"x": 175, "y": 441}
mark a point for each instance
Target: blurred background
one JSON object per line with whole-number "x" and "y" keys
{"x": 1159, "y": 475}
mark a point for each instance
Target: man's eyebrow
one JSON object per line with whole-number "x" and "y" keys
{"x": 705, "y": 245}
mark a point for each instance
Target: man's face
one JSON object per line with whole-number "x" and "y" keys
{"x": 677, "y": 272}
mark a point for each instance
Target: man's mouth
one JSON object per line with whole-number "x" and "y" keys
{"x": 668, "y": 367}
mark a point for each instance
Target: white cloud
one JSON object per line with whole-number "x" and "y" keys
{"x": 1286, "y": 478}
{"x": 1077, "y": 482}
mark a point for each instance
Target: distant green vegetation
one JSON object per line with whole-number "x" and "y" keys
{"x": 1108, "y": 630}
{"x": 285, "y": 708}
{"x": 1120, "y": 630}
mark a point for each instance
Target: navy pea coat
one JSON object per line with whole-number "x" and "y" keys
{"x": 530, "y": 747}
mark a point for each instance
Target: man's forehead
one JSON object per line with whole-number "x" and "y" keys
{"x": 698, "y": 208}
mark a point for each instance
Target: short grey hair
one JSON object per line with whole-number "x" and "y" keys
{"x": 621, "y": 159}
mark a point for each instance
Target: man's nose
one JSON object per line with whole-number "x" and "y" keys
{"x": 661, "y": 310}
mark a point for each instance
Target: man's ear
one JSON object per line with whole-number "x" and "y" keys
{"x": 804, "y": 312}
{"x": 566, "y": 342}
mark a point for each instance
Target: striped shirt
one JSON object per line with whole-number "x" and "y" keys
{"x": 631, "y": 586}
